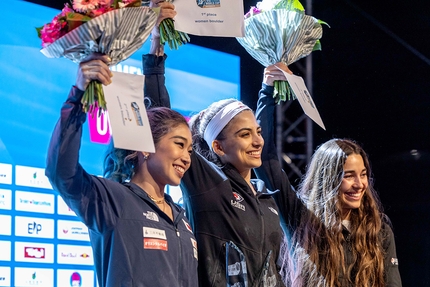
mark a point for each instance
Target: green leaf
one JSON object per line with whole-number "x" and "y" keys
{"x": 297, "y": 5}
{"x": 292, "y": 5}
{"x": 39, "y": 29}
{"x": 136, "y": 3}
{"x": 323, "y": 23}
{"x": 74, "y": 20}
{"x": 317, "y": 46}
{"x": 115, "y": 3}
{"x": 78, "y": 17}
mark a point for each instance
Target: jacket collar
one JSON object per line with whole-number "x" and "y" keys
{"x": 231, "y": 172}
{"x": 176, "y": 209}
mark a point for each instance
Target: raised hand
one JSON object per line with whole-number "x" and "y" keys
{"x": 94, "y": 67}
{"x": 272, "y": 73}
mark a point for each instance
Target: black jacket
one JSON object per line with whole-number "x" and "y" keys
{"x": 232, "y": 225}
{"x": 235, "y": 230}
{"x": 290, "y": 206}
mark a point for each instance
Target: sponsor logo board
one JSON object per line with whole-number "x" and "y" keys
{"x": 5, "y": 199}
{"x": 31, "y": 177}
{"x": 34, "y": 227}
{"x": 30, "y": 277}
{"x": 5, "y": 277}
{"x": 5, "y": 225}
{"x": 72, "y": 230}
{"x": 34, "y": 202}
{"x": 81, "y": 278}
{"x": 63, "y": 208}
{"x": 74, "y": 254}
{"x": 34, "y": 252}
{"x": 5, "y": 247}
{"x": 5, "y": 173}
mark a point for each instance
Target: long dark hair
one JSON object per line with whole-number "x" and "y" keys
{"x": 316, "y": 256}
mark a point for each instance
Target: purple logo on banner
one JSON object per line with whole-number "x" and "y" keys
{"x": 100, "y": 130}
{"x": 76, "y": 280}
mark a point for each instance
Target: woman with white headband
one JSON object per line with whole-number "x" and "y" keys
{"x": 235, "y": 218}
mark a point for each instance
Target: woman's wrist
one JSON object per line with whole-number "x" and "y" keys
{"x": 156, "y": 47}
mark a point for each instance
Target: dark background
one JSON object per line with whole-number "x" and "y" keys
{"x": 371, "y": 84}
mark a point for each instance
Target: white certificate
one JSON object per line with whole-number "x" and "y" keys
{"x": 224, "y": 18}
{"x": 127, "y": 113}
{"x": 304, "y": 97}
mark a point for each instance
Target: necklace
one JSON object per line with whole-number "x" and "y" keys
{"x": 157, "y": 201}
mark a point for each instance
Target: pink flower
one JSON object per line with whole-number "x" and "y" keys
{"x": 85, "y": 5}
{"x": 85, "y": 9}
{"x": 97, "y": 12}
{"x": 49, "y": 33}
{"x": 106, "y": 3}
{"x": 54, "y": 30}
{"x": 66, "y": 10}
{"x": 253, "y": 11}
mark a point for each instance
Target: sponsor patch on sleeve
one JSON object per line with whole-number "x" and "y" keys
{"x": 188, "y": 226}
{"x": 273, "y": 210}
{"x": 194, "y": 244}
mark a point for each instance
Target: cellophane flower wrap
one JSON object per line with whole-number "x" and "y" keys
{"x": 279, "y": 31}
{"x": 169, "y": 34}
{"x": 116, "y": 29}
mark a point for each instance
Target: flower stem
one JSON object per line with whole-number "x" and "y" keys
{"x": 93, "y": 99}
{"x": 282, "y": 92}
{"x": 173, "y": 37}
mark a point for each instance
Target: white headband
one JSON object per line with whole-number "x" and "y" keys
{"x": 221, "y": 119}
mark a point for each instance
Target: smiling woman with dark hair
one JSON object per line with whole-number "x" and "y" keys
{"x": 139, "y": 236}
{"x": 338, "y": 235}
{"x": 234, "y": 217}
{"x": 347, "y": 241}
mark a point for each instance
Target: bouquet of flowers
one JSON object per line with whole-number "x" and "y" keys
{"x": 279, "y": 31}
{"x": 173, "y": 37}
{"x": 116, "y": 28}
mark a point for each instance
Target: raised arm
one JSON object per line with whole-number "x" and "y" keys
{"x": 271, "y": 171}
{"x": 78, "y": 188}
{"x": 63, "y": 153}
{"x": 154, "y": 90}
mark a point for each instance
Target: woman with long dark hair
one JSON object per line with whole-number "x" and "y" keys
{"x": 338, "y": 235}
